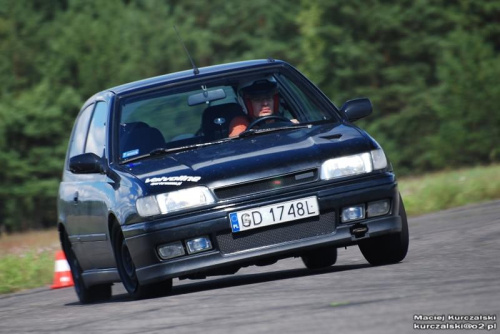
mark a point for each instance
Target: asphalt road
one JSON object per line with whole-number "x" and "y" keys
{"x": 453, "y": 268}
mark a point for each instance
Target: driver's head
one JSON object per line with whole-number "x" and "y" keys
{"x": 261, "y": 98}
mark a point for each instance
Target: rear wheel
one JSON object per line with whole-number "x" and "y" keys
{"x": 390, "y": 248}
{"x": 127, "y": 271}
{"x": 320, "y": 258}
{"x": 85, "y": 294}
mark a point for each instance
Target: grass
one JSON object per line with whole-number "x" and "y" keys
{"x": 444, "y": 190}
{"x": 30, "y": 270}
{"x": 27, "y": 259}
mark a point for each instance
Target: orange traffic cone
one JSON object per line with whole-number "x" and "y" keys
{"x": 62, "y": 275}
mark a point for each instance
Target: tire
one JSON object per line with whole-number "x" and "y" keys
{"x": 85, "y": 294}
{"x": 388, "y": 249}
{"x": 320, "y": 258}
{"x": 127, "y": 272}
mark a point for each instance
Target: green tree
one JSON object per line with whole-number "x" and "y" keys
{"x": 469, "y": 96}
{"x": 430, "y": 68}
{"x": 34, "y": 131}
{"x": 380, "y": 49}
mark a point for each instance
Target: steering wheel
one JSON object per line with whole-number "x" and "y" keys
{"x": 265, "y": 118}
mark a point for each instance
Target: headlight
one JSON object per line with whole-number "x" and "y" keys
{"x": 353, "y": 165}
{"x": 379, "y": 159}
{"x": 174, "y": 201}
{"x": 147, "y": 206}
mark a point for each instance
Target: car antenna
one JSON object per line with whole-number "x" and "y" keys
{"x": 195, "y": 69}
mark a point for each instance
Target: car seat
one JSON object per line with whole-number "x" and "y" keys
{"x": 137, "y": 138}
{"x": 216, "y": 119}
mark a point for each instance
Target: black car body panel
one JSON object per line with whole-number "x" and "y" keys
{"x": 254, "y": 158}
{"x": 298, "y": 237}
{"x": 103, "y": 181}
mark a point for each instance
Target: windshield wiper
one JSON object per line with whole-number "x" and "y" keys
{"x": 247, "y": 133}
{"x": 163, "y": 151}
{"x": 252, "y": 132}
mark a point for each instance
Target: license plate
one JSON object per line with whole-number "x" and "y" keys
{"x": 274, "y": 214}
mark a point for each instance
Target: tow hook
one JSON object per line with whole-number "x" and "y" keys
{"x": 359, "y": 230}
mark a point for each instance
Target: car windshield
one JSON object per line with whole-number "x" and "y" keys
{"x": 192, "y": 116}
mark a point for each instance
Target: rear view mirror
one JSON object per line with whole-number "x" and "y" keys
{"x": 206, "y": 96}
{"x": 357, "y": 108}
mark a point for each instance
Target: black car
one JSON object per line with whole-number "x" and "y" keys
{"x": 157, "y": 185}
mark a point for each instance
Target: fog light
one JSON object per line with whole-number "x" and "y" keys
{"x": 378, "y": 208}
{"x": 171, "y": 250}
{"x": 353, "y": 213}
{"x": 198, "y": 245}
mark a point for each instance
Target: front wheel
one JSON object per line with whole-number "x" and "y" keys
{"x": 127, "y": 271}
{"x": 320, "y": 258}
{"x": 85, "y": 294}
{"x": 390, "y": 248}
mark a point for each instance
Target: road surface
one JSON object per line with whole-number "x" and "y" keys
{"x": 452, "y": 269}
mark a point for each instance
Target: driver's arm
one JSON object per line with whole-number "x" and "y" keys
{"x": 238, "y": 125}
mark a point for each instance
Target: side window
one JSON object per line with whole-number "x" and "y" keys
{"x": 310, "y": 108}
{"x": 96, "y": 139}
{"x": 80, "y": 132}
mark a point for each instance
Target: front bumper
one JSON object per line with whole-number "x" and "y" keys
{"x": 277, "y": 241}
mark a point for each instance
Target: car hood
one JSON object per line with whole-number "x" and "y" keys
{"x": 250, "y": 158}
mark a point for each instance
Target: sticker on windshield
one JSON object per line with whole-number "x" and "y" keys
{"x": 130, "y": 153}
{"x": 171, "y": 180}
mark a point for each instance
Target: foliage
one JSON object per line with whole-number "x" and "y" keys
{"x": 430, "y": 68}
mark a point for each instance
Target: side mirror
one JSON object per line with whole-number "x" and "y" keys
{"x": 86, "y": 163}
{"x": 357, "y": 108}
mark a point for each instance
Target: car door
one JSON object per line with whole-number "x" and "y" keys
{"x": 86, "y": 196}
{"x": 94, "y": 193}
{"x": 70, "y": 210}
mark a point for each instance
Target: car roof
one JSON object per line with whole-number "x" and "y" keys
{"x": 189, "y": 74}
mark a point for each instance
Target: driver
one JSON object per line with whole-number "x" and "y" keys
{"x": 261, "y": 99}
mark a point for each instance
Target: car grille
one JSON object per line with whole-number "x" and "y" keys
{"x": 277, "y": 234}
{"x": 267, "y": 184}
